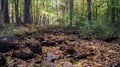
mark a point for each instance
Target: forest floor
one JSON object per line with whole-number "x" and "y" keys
{"x": 58, "y": 47}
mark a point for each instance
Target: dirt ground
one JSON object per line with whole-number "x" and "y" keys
{"x": 59, "y": 48}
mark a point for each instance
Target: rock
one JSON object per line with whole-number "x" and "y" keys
{"x": 110, "y": 39}
{"x": 40, "y": 38}
{"x": 6, "y": 46}
{"x": 44, "y": 43}
{"x": 52, "y": 43}
{"x": 23, "y": 55}
{"x": 28, "y": 44}
{"x": 83, "y": 56}
{"x": 62, "y": 48}
{"x": 48, "y": 43}
{"x": 36, "y": 48}
{"x": 6, "y": 37}
{"x": 29, "y": 33}
{"x": 86, "y": 38}
{"x": 2, "y": 60}
{"x": 71, "y": 51}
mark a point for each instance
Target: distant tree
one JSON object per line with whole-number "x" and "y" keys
{"x": 71, "y": 11}
{"x": 57, "y": 7}
{"x": 113, "y": 10}
{"x": 89, "y": 10}
{"x": 27, "y": 14}
{"x": 16, "y": 10}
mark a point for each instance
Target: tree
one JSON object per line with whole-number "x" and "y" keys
{"x": 89, "y": 10}
{"x": 113, "y": 10}
{"x": 27, "y": 14}
{"x": 16, "y": 10}
{"x": 71, "y": 11}
{"x": 4, "y": 9}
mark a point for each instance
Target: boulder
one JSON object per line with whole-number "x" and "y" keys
{"x": 2, "y": 60}
{"x": 37, "y": 48}
{"x": 70, "y": 51}
{"x": 48, "y": 43}
{"x": 23, "y": 55}
{"x": 6, "y": 46}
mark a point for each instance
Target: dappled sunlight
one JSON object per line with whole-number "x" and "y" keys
{"x": 59, "y": 33}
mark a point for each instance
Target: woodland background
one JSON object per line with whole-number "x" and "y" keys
{"x": 98, "y": 17}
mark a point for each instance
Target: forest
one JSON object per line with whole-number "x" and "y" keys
{"x": 59, "y": 33}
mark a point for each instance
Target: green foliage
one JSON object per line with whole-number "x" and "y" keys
{"x": 7, "y": 29}
{"x": 60, "y": 20}
{"x": 11, "y": 33}
{"x": 57, "y": 12}
{"x": 97, "y": 29}
{"x": 11, "y": 29}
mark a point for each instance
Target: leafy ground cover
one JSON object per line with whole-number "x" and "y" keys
{"x": 58, "y": 47}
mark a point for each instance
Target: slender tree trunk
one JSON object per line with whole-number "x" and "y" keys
{"x": 20, "y": 11}
{"x": 117, "y": 12}
{"x": 83, "y": 7}
{"x": 57, "y": 8}
{"x": 37, "y": 12}
{"x": 12, "y": 12}
{"x": 1, "y": 12}
{"x": 27, "y": 14}
{"x": 16, "y": 11}
{"x": 113, "y": 11}
{"x": 89, "y": 10}
{"x": 67, "y": 13}
{"x": 96, "y": 10}
{"x": 34, "y": 14}
{"x": 71, "y": 12}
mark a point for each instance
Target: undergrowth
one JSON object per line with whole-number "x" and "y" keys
{"x": 12, "y": 29}
{"x": 97, "y": 29}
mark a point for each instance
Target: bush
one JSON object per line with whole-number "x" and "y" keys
{"x": 97, "y": 29}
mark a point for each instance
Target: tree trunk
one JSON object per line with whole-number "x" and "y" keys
{"x": 16, "y": 10}
{"x": 83, "y": 7}
{"x": 57, "y": 8}
{"x": 27, "y": 14}
{"x": 2, "y": 4}
{"x": 113, "y": 11}
{"x": 89, "y": 10}
{"x": 4, "y": 9}
{"x": 71, "y": 12}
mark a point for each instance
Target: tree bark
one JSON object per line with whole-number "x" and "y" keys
{"x": 16, "y": 11}
{"x": 71, "y": 12}
{"x": 113, "y": 11}
{"x": 4, "y": 9}
{"x": 89, "y": 10}
{"x": 27, "y": 14}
